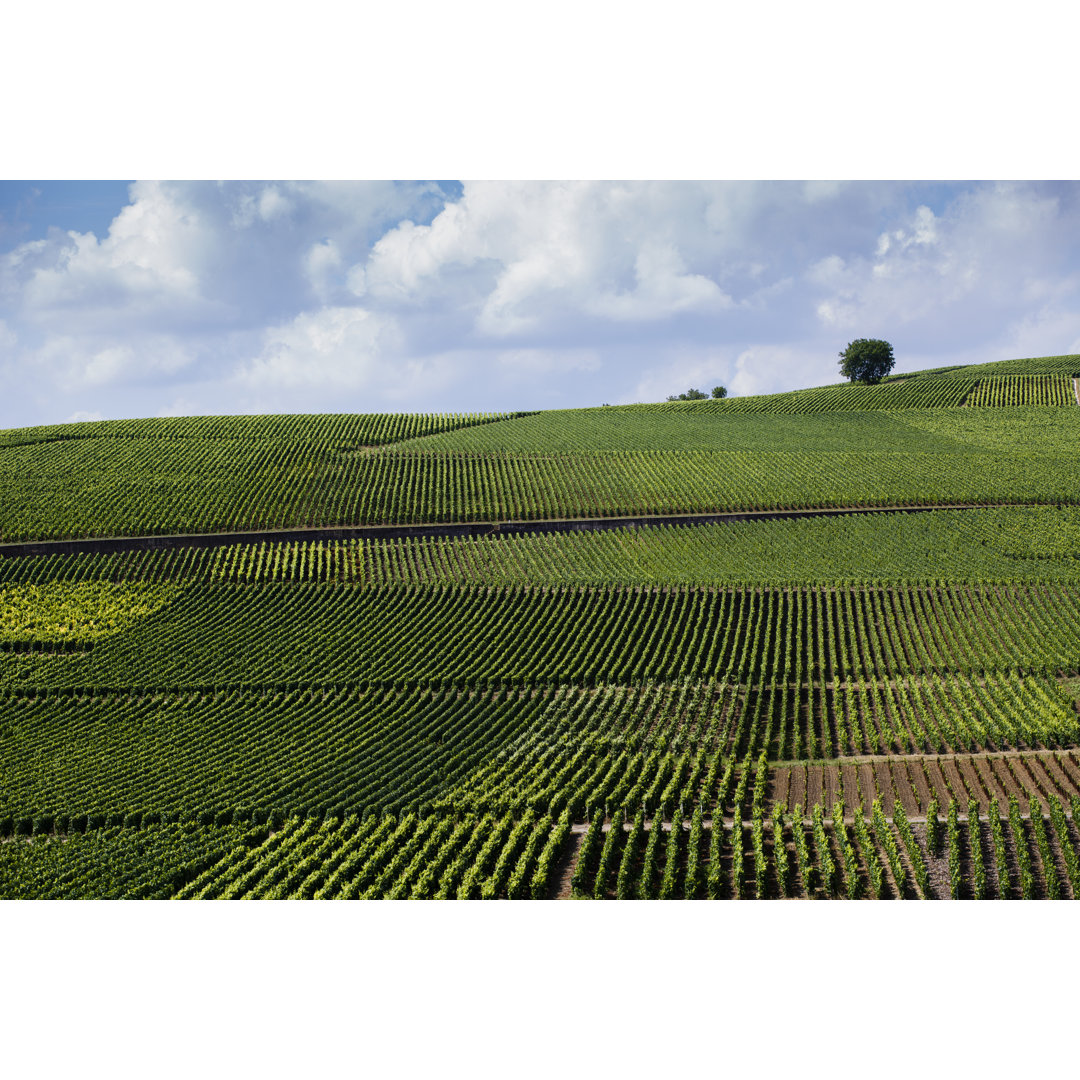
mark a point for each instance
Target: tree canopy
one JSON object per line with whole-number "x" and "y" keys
{"x": 866, "y": 360}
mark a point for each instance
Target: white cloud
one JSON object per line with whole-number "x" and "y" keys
{"x": 321, "y": 264}
{"x": 81, "y": 416}
{"x": 980, "y": 263}
{"x": 663, "y": 288}
{"x": 538, "y": 252}
{"x": 219, "y": 297}
{"x": 273, "y": 205}
{"x": 148, "y": 269}
{"x": 339, "y": 346}
{"x": 764, "y": 369}
{"x": 539, "y": 362}
{"x": 679, "y": 370}
{"x": 73, "y": 364}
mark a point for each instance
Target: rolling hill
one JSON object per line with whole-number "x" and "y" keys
{"x": 823, "y": 643}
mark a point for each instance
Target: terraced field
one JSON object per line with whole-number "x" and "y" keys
{"x": 858, "y": 705}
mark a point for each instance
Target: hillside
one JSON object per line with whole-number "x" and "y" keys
{"x": 438, "y": 664}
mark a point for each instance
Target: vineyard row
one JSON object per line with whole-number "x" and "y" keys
{"x": 1023, "y": 390}
{"x": 455, "y": 748}
{"x": 102, "y": 488}
{"x": 334, "y": 429}
{"x": 978, "y": 545}
{"x": 301, "y": 635}
{"x": 1017, "y": 853}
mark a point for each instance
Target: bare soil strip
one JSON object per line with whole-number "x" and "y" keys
{"x": 1063, "y": 783}
{"x": 798, "y": 788}
{"x": 850, "y": 785}
{"x": 563, "y": 871}
{"x": 781, "y": 782}
{"x": 915, "y": 780}
{"x": 920, "y": 783}
{"x": 866, "y": 784}
{"x": 937, "y": 781}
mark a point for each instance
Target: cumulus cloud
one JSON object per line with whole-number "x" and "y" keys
{"x": 332, "y": 347}
{"x": 73, "y": 364}
{"x": 150, "y": 264}
{"x": 677, "y": 371}
{"x": 991, "y": 259}
{"x": 762, "y": 368}
{"x": 532, "y": 252}
{"x": 217, "y": 297}
{"x": 322, "y": 266}
{"x": 533, "y": 362}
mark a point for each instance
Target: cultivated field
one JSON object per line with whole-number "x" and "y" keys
{"x": 462, "y": 675}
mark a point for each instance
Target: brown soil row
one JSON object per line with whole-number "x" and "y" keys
{"x": 915, "y": 781}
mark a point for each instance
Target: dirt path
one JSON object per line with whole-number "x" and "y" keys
{"x": 564, "y": 869}
{"x": 1076, "y": 390}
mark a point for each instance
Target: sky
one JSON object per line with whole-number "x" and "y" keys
{"x": 151, "y": 298}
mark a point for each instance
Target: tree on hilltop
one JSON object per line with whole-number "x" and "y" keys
{"x": 866, "y": 360}
{"x": 690, "y": 395}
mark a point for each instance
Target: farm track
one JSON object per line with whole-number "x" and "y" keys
{"x": 114, "y": 544}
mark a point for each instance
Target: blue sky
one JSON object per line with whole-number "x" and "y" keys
{"x": 146, "y": 298}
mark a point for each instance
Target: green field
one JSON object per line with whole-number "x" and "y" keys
{"x": 857, "y": 705}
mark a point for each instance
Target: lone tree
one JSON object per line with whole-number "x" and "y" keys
{"x": 866, "y": 360}
{"x": 719, "y": 391}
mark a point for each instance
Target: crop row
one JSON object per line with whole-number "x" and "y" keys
{"x": 336, "y": 634}
{"x": 692, "y": 747}
{"x": 878, "y": 855}
{"x": 302, "y": 752}
{"x": 370, "y": 857}
{"x": 335, "y": 429}
{"x": 913, "y": 393}
{"x": 486, "y": 857}
{"x": 692, "y": 426}
{"x": 110, "y": 487}
{"x": 55, "y": 613}
{"x": 546, "y": 748}
{"x": 1003, "y": 544}
{"x": 1017, "y": 852}
{"x": 1035, "y": 365}
{"x": 1023, "y": 390}
{"x": 283, "y": 561}
{"x": 116, "y": 862}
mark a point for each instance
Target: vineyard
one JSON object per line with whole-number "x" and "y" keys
{"x": 1023, "y": 390}
{"x": 608, "y": 462}
{"x": 865, "y": 705}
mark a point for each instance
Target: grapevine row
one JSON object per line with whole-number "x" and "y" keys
{"x": 101, "y": 488}
{"x": 1023, "y": 390}
{"x": 833, "y": 641}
